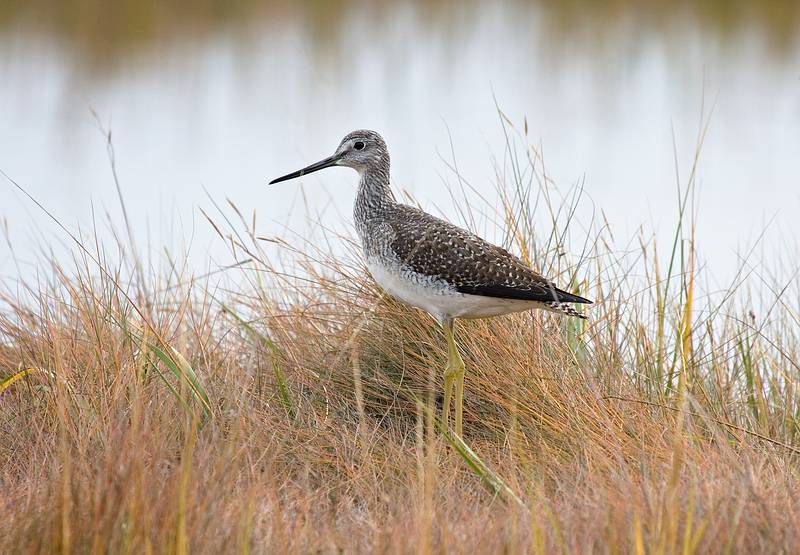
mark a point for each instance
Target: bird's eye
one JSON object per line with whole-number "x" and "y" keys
{"x": 358, "y": 145}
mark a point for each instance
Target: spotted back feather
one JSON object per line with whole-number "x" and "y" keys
{"x": 428, "y": 246}
{"x": 433, "y": 247}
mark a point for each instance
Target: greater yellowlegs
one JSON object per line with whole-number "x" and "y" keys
{"x": 432, "y": 264}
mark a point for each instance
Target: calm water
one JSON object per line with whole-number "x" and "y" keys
{"x": 214, "y": 104}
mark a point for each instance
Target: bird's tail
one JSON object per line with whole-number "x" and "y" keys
{"x": 563, "y": 308}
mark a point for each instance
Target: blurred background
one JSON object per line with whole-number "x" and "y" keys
{"x": 209, "y": 99}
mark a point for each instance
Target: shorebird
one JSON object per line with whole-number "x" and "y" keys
{"x": 432, "y": 264}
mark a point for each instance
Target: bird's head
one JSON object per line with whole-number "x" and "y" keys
{"x": 359, "y": 150}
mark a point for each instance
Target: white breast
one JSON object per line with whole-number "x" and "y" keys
{"x": 436, "y": 296}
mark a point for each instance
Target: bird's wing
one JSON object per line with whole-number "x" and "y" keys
{"x": 433, "y": 247}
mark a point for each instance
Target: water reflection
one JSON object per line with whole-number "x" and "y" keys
{"x": 99, "y": 33}
{"x": 221, "y": 95}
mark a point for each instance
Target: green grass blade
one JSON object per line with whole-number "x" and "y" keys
{"x": 280, "y": 377}
{"x": 6, "y": 383}
{"x": 184, "y": 372}
{"x": 480, "y": 468}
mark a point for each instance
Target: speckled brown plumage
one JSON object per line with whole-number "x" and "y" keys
{"x": 434, "y": 247}
{"x": 434, "y": 265}
{"x": 429, "y": 262}
{"x": 435, "y": 254}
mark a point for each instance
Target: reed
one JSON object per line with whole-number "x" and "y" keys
{"x": 287, "y": 405}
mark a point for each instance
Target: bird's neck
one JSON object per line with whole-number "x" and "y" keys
{"x": 374, "y": 194}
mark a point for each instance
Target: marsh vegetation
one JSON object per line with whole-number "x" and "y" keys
{"x": 285, "y": 404}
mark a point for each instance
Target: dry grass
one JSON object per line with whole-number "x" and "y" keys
{"x": 667, "y": 423}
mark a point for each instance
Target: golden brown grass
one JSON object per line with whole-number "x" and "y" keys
{"x": 666, "y": 423}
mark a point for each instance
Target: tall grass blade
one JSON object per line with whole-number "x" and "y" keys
{"x": 280, "y": 377}
{"x": 182, "y": 370}
{"x": 480, "y": 468}
{"x": 6, "y": 383}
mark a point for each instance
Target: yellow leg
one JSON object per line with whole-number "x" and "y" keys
{"x": 460, "y": 398}
{"x": 453, "y": 374}
{"x": 448, "y": 391}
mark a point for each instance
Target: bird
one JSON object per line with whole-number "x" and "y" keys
{"x": 432, "y": 264}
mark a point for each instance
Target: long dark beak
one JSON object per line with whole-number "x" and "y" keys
{"x": 322, "y": 164}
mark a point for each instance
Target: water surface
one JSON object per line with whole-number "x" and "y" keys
{"x": 209, "y": 101}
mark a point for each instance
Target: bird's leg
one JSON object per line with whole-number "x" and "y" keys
{"x": 448, "y": 390}
{"x": 453, "y": 374}
{"x": 459, "y": 396}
